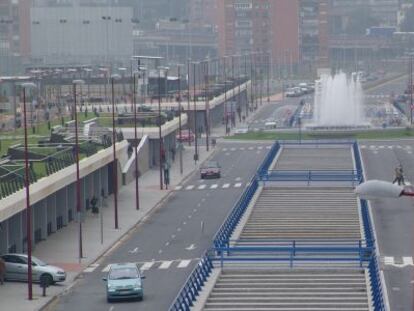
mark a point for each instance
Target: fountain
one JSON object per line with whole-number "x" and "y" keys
{"x": 338, "y": 102}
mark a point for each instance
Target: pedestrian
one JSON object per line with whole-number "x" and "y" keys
{"x": 399, "y": 178}
{"x": 402, "y": 181}
{"x": 2, "y": 270}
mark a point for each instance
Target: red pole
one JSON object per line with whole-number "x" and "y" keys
{"x": 136, "y": 142}
{"x": 28, "y": 209}
{"x": 114, "y": 164}
{"x": 78, "y": 190}
{"x": 159, "y": 127}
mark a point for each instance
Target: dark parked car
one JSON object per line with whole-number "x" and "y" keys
{"x": 210, "y": 169}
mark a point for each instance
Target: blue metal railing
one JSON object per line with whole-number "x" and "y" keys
{"x": 223, "y": 235}
{"x": 265, "y": 166}
{"x": 373, "y": 267}
{"x": 355, "y": 252}
{"x": 353, "y": 176}
{"x": 188, "y": 293}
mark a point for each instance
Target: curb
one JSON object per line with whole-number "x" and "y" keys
{"x": 106, "y": 251}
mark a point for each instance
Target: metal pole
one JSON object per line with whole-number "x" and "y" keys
{"x": 411, "y": 90}
{"x": 189, "y": 99}
{"x": 207, "y": 106}
{"x": 159, "y": 126}
{"x": 251, "y": 81}
{"x": 28, "y": 209}
{"x": 225, "y": 95}
{"x": 233, "y": 93}
{"x": 195, "y": 116}
{"x": 114, "y": 164}
{"x": 179, "y": 121}
{"x": 134, "y": 96}
{"x": 78, "y": 182}
{"x": 268, "y": 78}
{"x": 245, "y": 77}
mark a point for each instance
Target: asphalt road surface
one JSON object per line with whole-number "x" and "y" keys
{"x": 393, "y": 219}
{"x": 169, "y": 243}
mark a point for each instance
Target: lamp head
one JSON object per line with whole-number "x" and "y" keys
{"x": 29, "y": 85}
{"x": 78, "y": 81}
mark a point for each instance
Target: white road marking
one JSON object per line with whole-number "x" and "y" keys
{"x": 213, "y": 186}
{"x": 165, "y": 265}
{"x": 227, "y": 153}
{"x": 399, "y": 147}
{"x": 408, "y": 147}
{"x": 167, "y": 243}
{"x": 408, "y": 261}
{"x": 409, "y": 152}
{"x": 381, "y": 147}
{"x": 238, "y": 185}
{"x": 201, "y": 187}
{"x": 178, "y": 187}
{"x": 133, "y": 251}
{"x": 250, "y": 148}
{"x": 147, "y": 265}
{"x": 91, "y": 268}
{"x": 225, "y": 186}
{"x": 106, "y": 269}
{"x": 190, "y": 187}
{"x": 362, "y": 146}
{"x": 183, "y": 263}
{"x": 232, "y": 149}
{"x": 388, "y": 260}
{"x": 241, "y": 148}
{"x": 224, "y": 149}
{"x": 238, "y": 178}
{"x": 260, "y": 147}
{"x": 390, "y": 147}
{"x": 191, "y": 247}
{"x": 268, "y": 147}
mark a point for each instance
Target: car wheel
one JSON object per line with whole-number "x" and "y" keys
{"x": 202, "y": 176}
{"x": 46, "y": 279}
{"x": 108, "y": 299}
{"x": 218, "y": 175}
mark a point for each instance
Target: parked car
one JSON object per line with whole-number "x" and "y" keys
{"x": 210, "y": 169}
{"x": 241, "y": 130}
{"x": 185, "y": 136}
{"x": 16, "y": 269}
{"x": 124, "y": 281}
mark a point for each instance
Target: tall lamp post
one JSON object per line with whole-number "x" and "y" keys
{"x": 179, "y": 119}
{"x": 134, "y": 97}
{"x": 27, "y": 86}
{"x": 78, "y": 182}
{"x": 162, "y": 151}
{"x": 114, "y": 164}
{"x": 195, "y": 116}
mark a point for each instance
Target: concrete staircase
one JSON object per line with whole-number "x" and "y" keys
{"x": 289, "y": 290}
{"x": 304, "y": 214}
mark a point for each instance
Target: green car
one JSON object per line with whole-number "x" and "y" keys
{"x": 124, "y": 281}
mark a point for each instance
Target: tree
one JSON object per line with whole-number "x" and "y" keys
{"x": 408, "y": 22}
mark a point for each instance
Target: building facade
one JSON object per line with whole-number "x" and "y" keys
{"x": 266, "y": 26}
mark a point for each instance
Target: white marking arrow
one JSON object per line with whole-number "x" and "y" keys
{"x": 134, "y": 251}
{"x": 191, "y": 247}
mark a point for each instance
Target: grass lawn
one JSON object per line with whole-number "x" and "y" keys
{"x": 372, "y": 134}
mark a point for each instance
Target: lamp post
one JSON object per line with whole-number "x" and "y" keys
{"x": 225, "y": 96}
{"x": 162, "y": 151}
{"x": 195, "y": 116}
{"x": 268, "y": 76}
{"x": 179, "y": 120}
{"x": 25, "y": 86}
{"x": 207, "y": 97}
{"x": 78, "y": 182}
{"x": 189, "y": 97}
{"x": 134, "y": 97}
{"x": 114, "y": 164}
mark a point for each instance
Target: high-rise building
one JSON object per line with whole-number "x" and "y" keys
{"x": 14, "y": 35}
{"x": 267, "y": 26}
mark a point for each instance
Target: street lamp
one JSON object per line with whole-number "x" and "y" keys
{"x": 114, "y": 164}
{"x": 78, "y": 182}
{"x": 179, "y": 119}
{"x": 195, "y": 115}
{"x": 162, "y": 151}
{"x": 26, "y": 86}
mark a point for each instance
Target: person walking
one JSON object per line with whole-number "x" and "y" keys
{"x": 399, "y": 176}
{"x": 402, "y": 181}
{"x": 2, "y": 270}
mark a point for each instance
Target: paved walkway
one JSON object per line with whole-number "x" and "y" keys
{"x": 61, "y": 248}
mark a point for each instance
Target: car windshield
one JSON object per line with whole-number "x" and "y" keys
{"x": 38, "y": 262}
{"x": 123, "y": 274}
{"x": 211, "y": 164}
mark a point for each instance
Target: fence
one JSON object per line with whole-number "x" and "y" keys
{"x": 353, "y": 176}
{"x": 188, "y": 293}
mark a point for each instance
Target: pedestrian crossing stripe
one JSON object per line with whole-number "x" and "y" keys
{"x": 211, "y": 187}
{"x": 161, "y": 265}
{"x": 374, "y": 148}
{"x": 190, "y": 187}
{"x": 238, "y": 185}
{"x": 399, "y": 262}
{"x": 214, "y": 186}
{"x": 178, "y": 187}
{"x": 201, "y": 187}
{"x": 226, "y": 186}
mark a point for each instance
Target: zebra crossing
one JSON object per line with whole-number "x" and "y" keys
{"x": 210, "y": 187}
{"x": 398, "y": 262}
{"x": 376, "y": 148}
{"x": 246, "y": 148}
{"x": 149, "y": 265}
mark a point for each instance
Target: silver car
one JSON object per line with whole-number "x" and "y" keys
{"x": 16, "y": 269}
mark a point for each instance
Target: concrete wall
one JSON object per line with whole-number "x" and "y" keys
{"x": 128, "y": 171}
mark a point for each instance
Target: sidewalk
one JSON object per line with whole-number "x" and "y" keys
{"x": 61, "y": 248}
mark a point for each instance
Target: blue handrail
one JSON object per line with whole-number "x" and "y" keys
{"x": 353, "y": 176}
{"x": 188, "y": 293}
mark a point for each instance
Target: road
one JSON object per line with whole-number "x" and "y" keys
{"x": 171, "y": 240}
{"x": 393, "y": 219}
